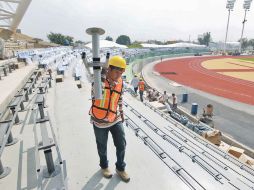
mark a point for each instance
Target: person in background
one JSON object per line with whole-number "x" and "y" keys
{"x": 174, "y": 102}
{"x": 164, "y": 98}
{"x": 154, "y": 95}
{"x": 149, "y": 94}
{"x": 141, "y": 88}
{"x": 207, "y": 116}
{"x": 134, "y": 83}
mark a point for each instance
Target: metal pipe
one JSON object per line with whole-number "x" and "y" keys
{"x": 96, "y": 32}
{"x": 49, "y": 161}
{"x": 5, "y": 71}
{"x": 225, "y": 44}
{"x": 1, "y": 167}
{"x": 26, "y": 95}
{"x": 244, "y": 20}
{"x": 107, "y": 58}
{"x": 96, "y": 45}
{"x": 17, "y": 117}
{"x": 22, "y": 106}
{"x": 10, "y": 138}
{"x": 41, "y": 111}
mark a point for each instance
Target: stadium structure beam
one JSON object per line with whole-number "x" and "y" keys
{"x": 12, "y": 12}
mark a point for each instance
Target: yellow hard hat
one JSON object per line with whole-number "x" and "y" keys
{"x": 117, "y": 61}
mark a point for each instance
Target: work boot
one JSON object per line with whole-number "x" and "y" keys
{"x": 123, "y": 175}
{"x": 106, "y": 173}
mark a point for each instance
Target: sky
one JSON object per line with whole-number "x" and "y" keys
{"x": 139, "y": 19}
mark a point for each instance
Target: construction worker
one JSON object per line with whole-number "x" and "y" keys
{"x": 164, "y": 98}
{"x": 134, "y": 83}
{"x": 141, "y": 88}
{"x": 174, "y": 102}
{"x": 207, "y": 116}
{"x": 107, "y": 116}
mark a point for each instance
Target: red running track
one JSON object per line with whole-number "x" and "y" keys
{"x": 189, "y": 72}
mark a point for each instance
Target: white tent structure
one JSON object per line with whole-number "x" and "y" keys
{"x": 176, "y": 45}
{"x": 107, "y": 44}
{"x": 185, "y": 45}
{"x": 151, "y": 45}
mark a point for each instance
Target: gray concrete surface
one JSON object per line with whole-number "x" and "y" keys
{"x": 10, "y": 84}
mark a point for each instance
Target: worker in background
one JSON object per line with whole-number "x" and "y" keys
{"x": 141, "y": 88}
{"x": 209, "y": 111}
{"x": 164, "y": 98}
{"x": 134, "y": 83}
{"x": 155, "y": 95}
{"x": 174, "y": 102}
{"x": 107, "y": 116}
{"x": 207, "y": 116}
{"x": 50, "y": 73}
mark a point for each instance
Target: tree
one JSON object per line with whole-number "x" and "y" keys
{"x": 109, "y": 38}
{"x": 70, "y": 39}
{"x": 244, "y": 43}
{"x": 135, "y": 45}
{"x": 205, "y": 39}
{"x": 79, "y": 42}
{"x": 124, "y": 40}
{"x": 201, "y": 40}
{"x": 251, "y": 43}
{"x": 61, "y": 39}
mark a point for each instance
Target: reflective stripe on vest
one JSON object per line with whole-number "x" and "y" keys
{"x": 106, "y": 108}
{"x": 141, "y": 85}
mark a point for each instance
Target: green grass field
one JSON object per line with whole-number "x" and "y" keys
{"x": 247, "y": 59}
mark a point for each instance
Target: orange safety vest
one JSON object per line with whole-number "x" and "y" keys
{"x": 106, "y": 108}
{"x": 141, "y": 85}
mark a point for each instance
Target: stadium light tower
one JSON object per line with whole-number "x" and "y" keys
{"x": 230, "y": 7}
{"x": 246, "y": 6}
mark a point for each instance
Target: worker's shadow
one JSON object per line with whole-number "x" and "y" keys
{"x": 114, "y": 181}
{"x": 95, "y": 184}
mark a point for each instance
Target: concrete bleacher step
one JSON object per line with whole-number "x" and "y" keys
{"x": 78, "y": 83}
{"x": 59, "y": 78}
{"x": 19, "y": 65}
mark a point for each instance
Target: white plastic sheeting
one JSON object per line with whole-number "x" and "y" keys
{"x": 106, "y": 43}
{"x": 176, "y": 45}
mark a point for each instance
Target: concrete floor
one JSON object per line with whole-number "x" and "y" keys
{"x": 13, "y": 82}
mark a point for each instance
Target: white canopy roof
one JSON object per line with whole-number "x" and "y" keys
{"x": 106, "y": 44}
{"x": 180, "y": 44}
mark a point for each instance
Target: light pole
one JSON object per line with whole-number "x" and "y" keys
{"x": 246, "y": 6}
{"x": 230, "y": 7}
